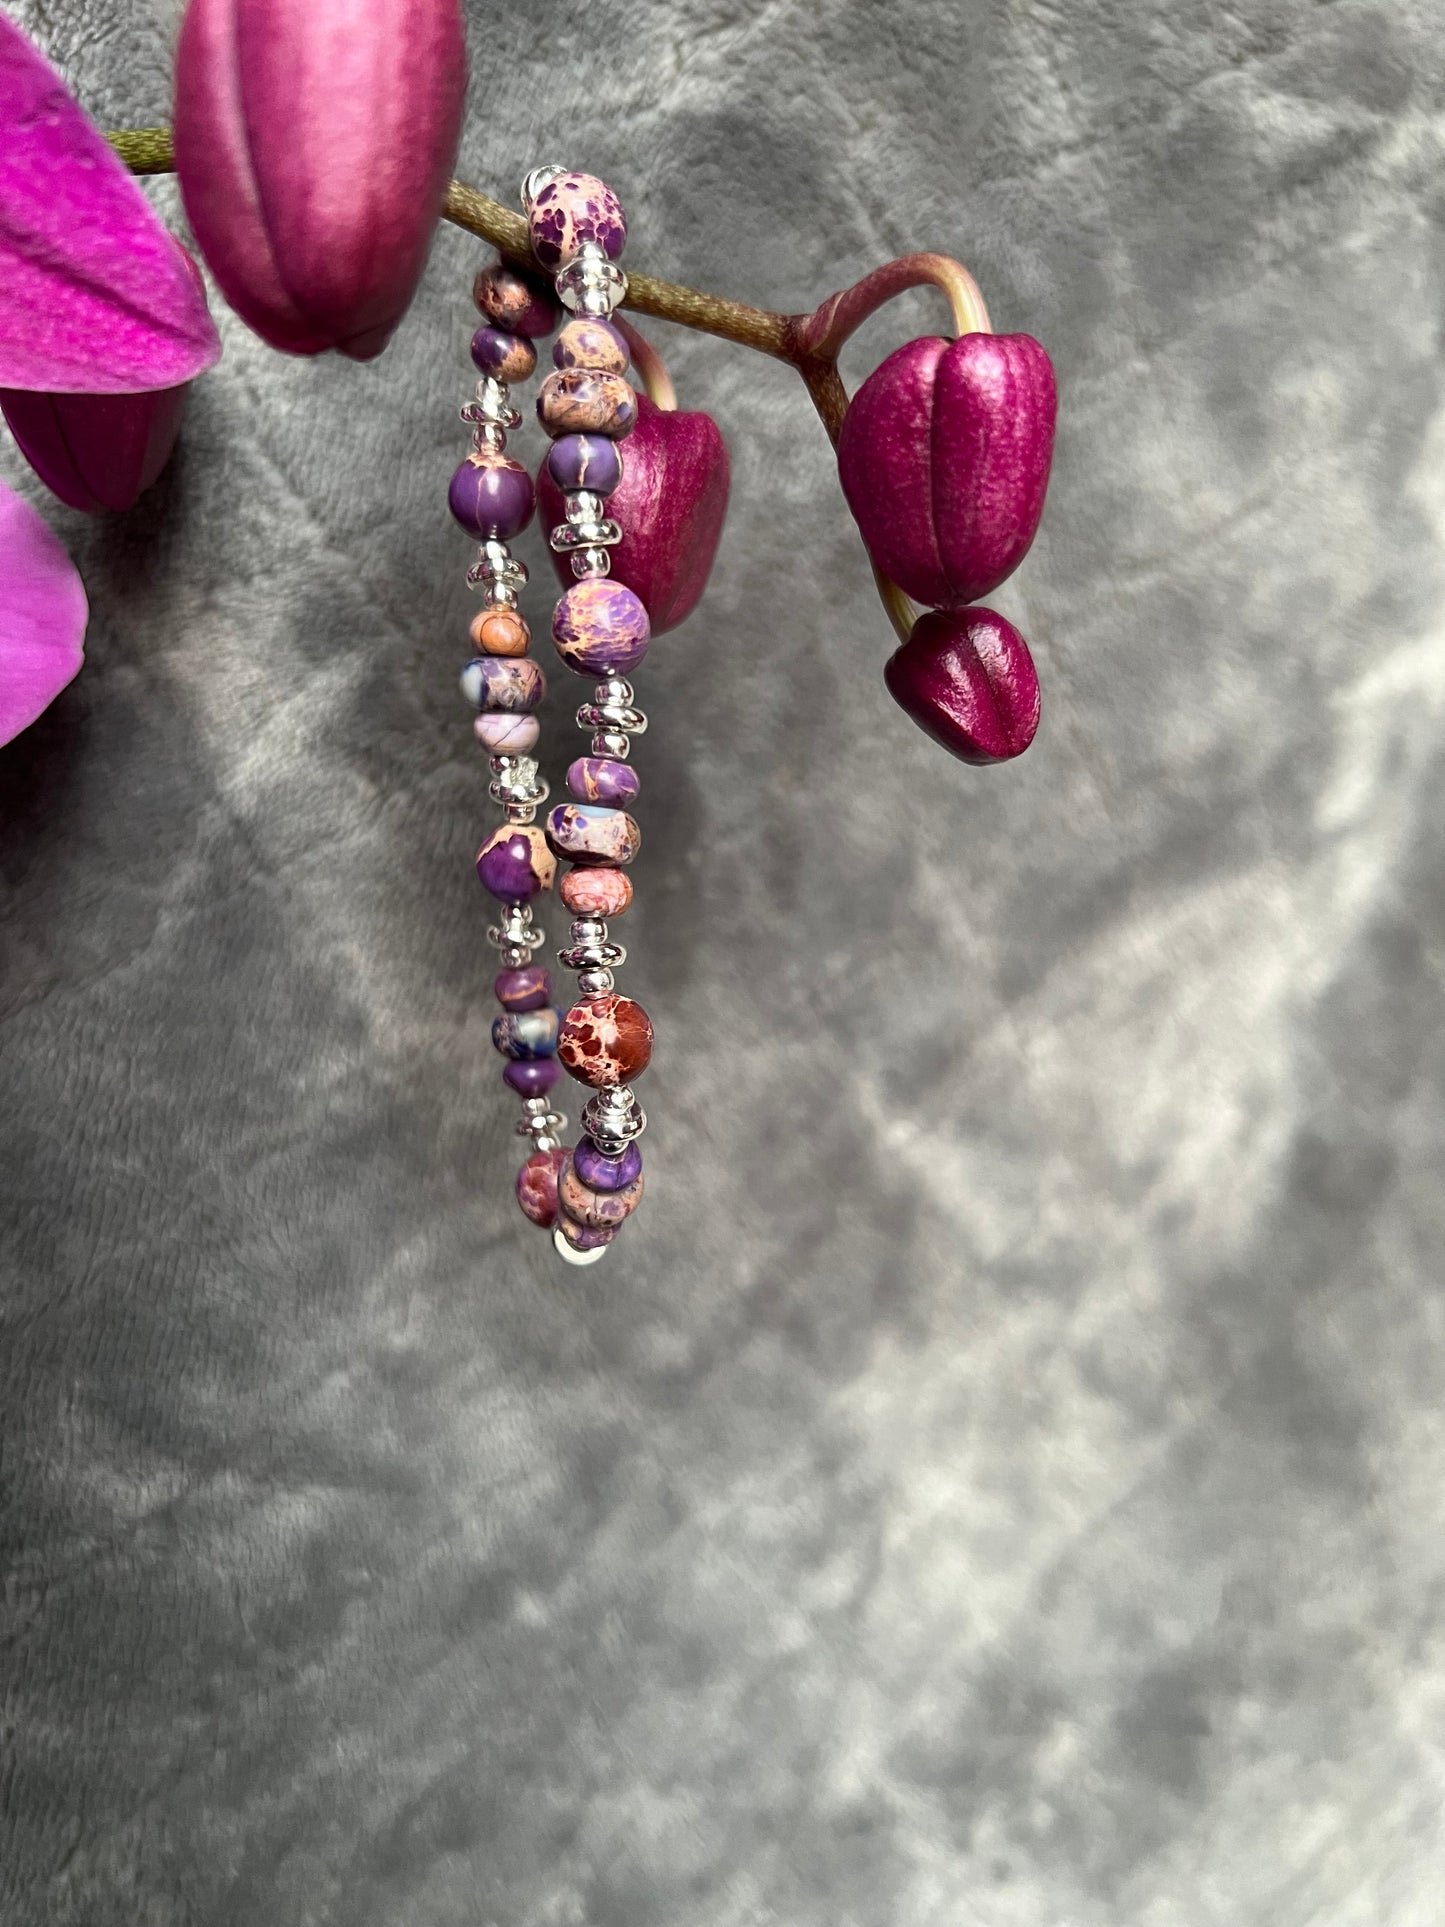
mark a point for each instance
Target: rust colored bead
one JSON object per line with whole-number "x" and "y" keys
{"x": 500, "y": 632}
{"x": 595, "y": 893}
{"x": 605, "y": 1041}
{"x": 523, "y": 304}
{"x": 595, "y": 1208}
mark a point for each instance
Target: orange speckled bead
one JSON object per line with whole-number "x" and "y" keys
{"x": 500, "y": 632}
{"x": 595, "y": 893}
{"x": 605, "y": 1041}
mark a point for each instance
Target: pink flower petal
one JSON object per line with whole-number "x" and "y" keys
{"x": 97, "y": 299}
{"x": 43, "y": 614}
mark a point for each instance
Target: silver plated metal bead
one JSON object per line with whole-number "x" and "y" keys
{"x": 595, "y": 983}
{"x": 586, "y": 505}
{"x": 545, "y": 1123}
{"x": 593, "y": 956}
{"x": 590, "y": 284}
{"x": 612, "y": 742}
{"x": 614, "y": 716}
{"x": 588, "y": 563}
{"x": 613, "y": 689}
{"x": 539, "y": 178}
{"x": 495, "y": 563}
{"x": 576, "y": 536}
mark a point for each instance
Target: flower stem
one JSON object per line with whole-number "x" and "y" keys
{"x": 810, "y": 343}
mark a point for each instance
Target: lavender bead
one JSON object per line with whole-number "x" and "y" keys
{"x": 579, "y": 831}
{"x": 589, "y": 342}
{"x": 601, "y": 1173}
{"x": 515, "y": 864}
{"x": 532, "y": 1076}
{"x": 505, "y": 356}
{"x": 585, "y": 461}
{"x": 527, "y": 987}
{"x": 491, "y": 496}
{"x": 600, "y": 628}
{"x": 572, "y": 209}
{"x": 598, "y": 779}
{"x": 523, "y": 304}
{"x": 506, "y": 735}
{"x": 585, "y": 1237}
{"x": 526, "y": 1033}
{"x": 512, "y": 685}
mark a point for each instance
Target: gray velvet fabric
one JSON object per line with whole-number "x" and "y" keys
{"x": 999, "y": 1478}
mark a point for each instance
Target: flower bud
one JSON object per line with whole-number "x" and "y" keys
{"x": 944, "y": 458}
{"x": 314, "y": 141}
{"x": 968, "y": 679}
{"x": 42, "y": 616}
{"x": 96, "y": 451}
{"x": 671, "y": 504}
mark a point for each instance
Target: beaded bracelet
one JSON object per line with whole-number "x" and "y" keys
{"x": 491, "y": 496}
{"x": 599, "y": 628}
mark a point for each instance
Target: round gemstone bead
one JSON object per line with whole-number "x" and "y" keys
{"x": 491, "y": 496}
{"x": 584, "y": 1237}
{"x": 527, "y": 987}
{"x": 602, "y": 1173}
{"x": 514, "y": 684}
{"x": 595, "y": 893}
{"x": 594, "y": 1208}
{"x": 570, "y": 210}
{"x": 605, "y": 1041}
{"x": 532, "y": 1076}
{"x": 500, "y": 632}
{"x": 601, "y": 628}
{"x": 525, "y": 1033}
{"x": 587, "y": 341}
{"x": 517, "y": 302}
{"x": 537, "y": 1185}
{"x": 515, "y": 864}
{"x": 598, "y": 779}
{"x": 506, "y": 356}
{"x": 586, "y": 830}
{"x": 506, "y": 735}
{"x": 585, "y": 461}
{"x": 578, "y": 401}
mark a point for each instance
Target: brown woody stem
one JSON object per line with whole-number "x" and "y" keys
{"x": 808, "y": 342}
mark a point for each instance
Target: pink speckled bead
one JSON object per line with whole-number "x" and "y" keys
{"x": 571, "y": 209}
{"x": 537, "y": 1185}
{"x": 580, "y": 401}
{"x": 506, "y": 735}
{"x": 587, "y": 341}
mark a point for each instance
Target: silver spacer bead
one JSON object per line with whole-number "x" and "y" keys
{"x": 614, "y": 1119}
{"x": 590, "y": 284}
{"x": 540, "y": 1124}
{"x": 595, "y": 983}
{"x": 495, "y": 563}
{"x": 498, "y": 595}
{"x": 522, "y": 786}
{"x": 570, "y": 1252}
{"x": 612, "y": 742}
{"x": 589, "y": 930}
{"x": 592, "y": 956}
{"x": 539, "y": 178}
{"x": 585, "y": 505}
{"x": 580, "y": 536}
{"x": 587, "y": 563}
{"x": 515, "y": 956}
{"x": 615, "y": 689}
{"x": 612, "y": 716}
{"x": 516, "y": 931}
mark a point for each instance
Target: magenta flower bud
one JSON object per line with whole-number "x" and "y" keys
{"x": 671, "y": 504}
{"x": 968, "y": 679}
{"x": 43, "y": 614}
{"x": 944, "y": 458}
{"x": 96, "y": 451}
{"x": 314, "y": 141}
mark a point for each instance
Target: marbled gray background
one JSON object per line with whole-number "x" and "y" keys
{"x": 1002, "y": 1478}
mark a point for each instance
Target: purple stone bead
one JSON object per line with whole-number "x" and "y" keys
{"x": 572, "y": 209}
{"x": 491, "y": 496}
{"x": 601, "y": 1173}
{"x": 515, "y": 864}
{"x": 598, "y": 779}
{"x": 524, "y": 304}
{"x": 584, "y": 1237}
{"x": 507, "y": 357}
{"x": 531, "y": 1077}
{"x": 513, "y": 685}
{"x": 526, "y": 1033}
{"x": 527, "y": 987}
{"x": 587, "y": 341}
{"x": 601, "y": 628}
{"x": 585, "y": 461}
